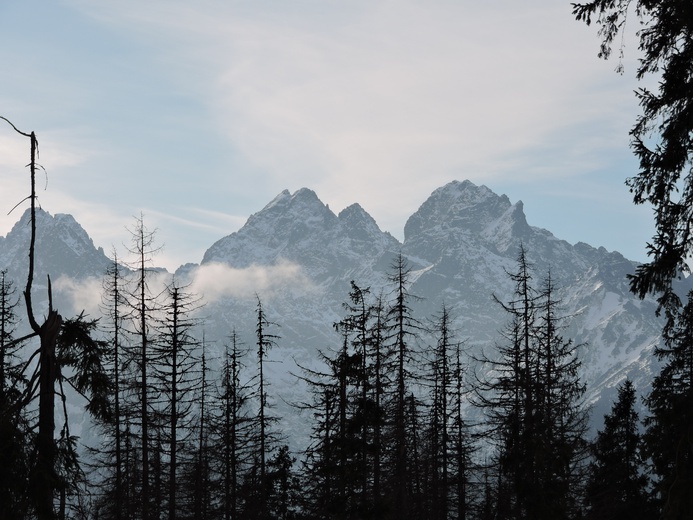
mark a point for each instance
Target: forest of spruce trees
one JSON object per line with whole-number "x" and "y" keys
{"x": 405, "y": 422}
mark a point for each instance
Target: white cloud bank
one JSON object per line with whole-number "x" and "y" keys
{"x": 216, "y": 281}
{"x": 83, "y": 295}
{"x": 210, "y": 282}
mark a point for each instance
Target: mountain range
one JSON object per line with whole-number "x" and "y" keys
{"x": 299, "y": 257}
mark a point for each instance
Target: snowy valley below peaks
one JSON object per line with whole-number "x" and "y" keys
{"x": 300, "y": 258}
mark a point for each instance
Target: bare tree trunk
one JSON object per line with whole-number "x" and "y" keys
{"x": 44, "y": 477}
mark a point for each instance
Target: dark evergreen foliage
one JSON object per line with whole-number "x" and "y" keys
{"x": 15, "y": 436}
{"x": 112, "y": 498}
{"x": 230, "y": 431}
{"x": 662, "y": 137}
{"x": 176, "y": 376}
{"x": 668, "y": 438}
{"x": 390, "y": 439}
{"x": 447, "y": 444}
{"x": 535, "y": 415}
{"x": 402, "y": 331}
{"x": 617, "y": 487}
{"x": 142, "y": 307}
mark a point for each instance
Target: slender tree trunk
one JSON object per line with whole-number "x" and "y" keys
{"x": 144, "y": 411}
{"x": 45, "y": 478}
{"x": 174, "y": 407}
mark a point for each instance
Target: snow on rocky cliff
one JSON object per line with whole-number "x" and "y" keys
{"x": 460, "y": 244}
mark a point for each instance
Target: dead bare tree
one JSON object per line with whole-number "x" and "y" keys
{"x": 43, "y": 481}
{"x": 62, "y": 343}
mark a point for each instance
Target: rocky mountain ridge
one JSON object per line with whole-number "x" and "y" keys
{"x": 460, "y": 245}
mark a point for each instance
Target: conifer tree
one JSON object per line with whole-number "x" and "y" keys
{"x": 174, "y": 376}
{"x": 562, "y": 423}
{"x": 230, "y": 429}
{"x": 45, "y": 477}
{"x": 80, "y": 365}
{"x": 257, "y": 485}
{"x": 448, "y": 446}
{"x": 344, "y": 461}
{"x": 380, "y": 383}
{"x": 197, "y": 484}
{"x": 438, "y": 432}
{"x": 358, "y": 410}
{"x": 14, "y": 430}
{"x": 617, "y": 486}
{"x": 402, "y": 332}
{"x": 143, "y": 307}
{"x": 670, "y": 423}
{"x": 320, "y": 463}
{"x": 43, "y": 480}
{"x": 509, "y": 398}
{"x": 9, "y": 376}
{"x": 662, "y": 136}
{"x": 461, "y": 439}
{"x": 109, "y": 458}
{"x": 534, "y": 407}
{"x": 283, "y": 486}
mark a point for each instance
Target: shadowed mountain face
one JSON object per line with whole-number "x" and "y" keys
{"x": 63, "y": 249}
{"x": 460, "y": 244}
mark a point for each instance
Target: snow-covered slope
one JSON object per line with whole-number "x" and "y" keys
{"x": 460, "y": 244}
{"x": 300, "y": 228}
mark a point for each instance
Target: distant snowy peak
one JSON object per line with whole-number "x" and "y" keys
{"x": 299, "y": 227}
{"x": 357, "y": 224}
{"x": 465, "y": 206}
{"x": 304, "y": 203}
{"x": 61, "y": 243}
{"x": 461, "y": 213}
{"x": 61, "y": 228}
{"x": 266, "y": 235}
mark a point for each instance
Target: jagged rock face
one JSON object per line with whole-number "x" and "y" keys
{"x": 470, "y": 238}
{"x": 300, "y": 228}
{"x": 460, "y": 213}
{"x": 63, "y": 248}
{"x": 460, "y": 244}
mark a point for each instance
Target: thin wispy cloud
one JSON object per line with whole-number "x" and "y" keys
{"x": 218, "y": 106}
{"x": 83, "y": 295}
{"x": 215, "y": 281}
{"x": 371, "y": 94}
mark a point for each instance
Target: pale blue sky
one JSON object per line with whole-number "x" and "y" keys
{"x": 198, "y": 113}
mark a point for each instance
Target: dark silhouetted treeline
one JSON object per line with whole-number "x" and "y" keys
{"x": 405, "y": 423}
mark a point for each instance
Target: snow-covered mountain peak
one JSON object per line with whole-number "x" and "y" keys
{"x": 61, "y": 228}
{"x": 356, "y": 222}
{"x": 279, "y": 200}
{"x": 62, "y": 247}
{"x": 461, "y": 205}
{"x": 299, "y": 227}
{"x": 461, "y": 244}
{"x": 303, "y": 204}
{"x": 508, "y": 229}
{"x": 461, "y": 215}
